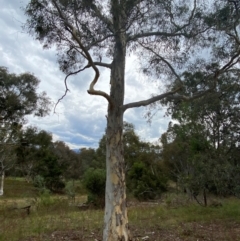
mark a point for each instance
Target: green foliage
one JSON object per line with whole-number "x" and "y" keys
{"x": 52, "y": 171}
{"x": 39, "y": 182}
{"x": 202, "y": 150}
{"x": 144, "y": 182}
{"x": 45, "y": 199}
{"x": 94, "y": 181}
{"x": 51, "y": 160}
{"x": 18, "y": 96}
{"x": 91, "y": 158}
{"x": 140, "y": 157}
{"x": 69, "y": 160}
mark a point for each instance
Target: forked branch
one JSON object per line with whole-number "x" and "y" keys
{"x": 74, "y": 32}
{"x": 163, "y": 60}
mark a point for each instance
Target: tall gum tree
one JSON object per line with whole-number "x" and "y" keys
{"x": 170, "y": 37}
{"x": 18, "y": 98}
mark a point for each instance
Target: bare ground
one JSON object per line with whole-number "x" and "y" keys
{"x": 215, "y": 231}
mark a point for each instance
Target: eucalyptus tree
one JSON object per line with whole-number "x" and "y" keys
{"x": 33, "y": 142}
{"x": 40, "y": 156}
{"x": 8, "y": 142}
{"x": 203, "y": 147}
{"x": 169, "y": 37}
{"x": 18, "y": 98}
{"x": 188, "y": 157}
{"x": 218, "y": 111}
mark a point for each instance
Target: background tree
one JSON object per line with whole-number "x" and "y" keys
{"x": 167, "y": 36}
{"x": 40, "y": 156}
{"x": 88, "y": 159}
{"x": 145, "y": 176}
{"x": 203, "y": 146}
{"x": 95, "y": 181}
{"x": 187, "y": 154}
{"x": 26, "y": 153}
{"x": 68, "y": 159}
{"x": 8, "y": 141}
{"x": 18, "y": 98}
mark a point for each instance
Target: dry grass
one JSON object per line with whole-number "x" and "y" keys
{"x": 174, "y": 218}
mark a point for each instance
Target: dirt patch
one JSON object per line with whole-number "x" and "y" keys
{"x": 183, "y": 232}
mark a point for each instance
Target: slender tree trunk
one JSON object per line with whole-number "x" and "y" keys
{"x": 2, "y": 183}
{"x": 205, "y": 197}
{"x": 115, "y": 219}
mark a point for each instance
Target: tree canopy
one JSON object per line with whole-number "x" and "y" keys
{"x": 19, "y": 97}
{"x": 202, "y": 148}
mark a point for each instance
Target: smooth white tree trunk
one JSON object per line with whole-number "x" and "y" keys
{"x": 116, "y": 219}
{"x": 2, "y": 183}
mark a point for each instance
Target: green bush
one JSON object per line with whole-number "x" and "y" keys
{"x": 52, "y": 172}
{"x": 39, "y": 182}
{"x": 145, "y": 183}
{"x": 55, "y": 184}
{"x": 94, "y": 181}
{"x": 45, "y": 198}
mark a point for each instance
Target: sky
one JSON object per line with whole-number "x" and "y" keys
{"x": 80, "y": 119}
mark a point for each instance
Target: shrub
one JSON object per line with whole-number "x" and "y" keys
{"x": 144, "y": 183}
{"x": 94, "y": 181}
{"x": 39, "y": 182}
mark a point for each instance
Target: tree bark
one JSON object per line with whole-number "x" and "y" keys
{"x": 2, "y": 183}
{"x": 115, "y": 219}
{"x": 205, "y": 197}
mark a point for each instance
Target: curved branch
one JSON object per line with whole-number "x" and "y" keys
{"x": 179, "y": 31}
{"x": 73, "y": 31}
{"x": 165, "y": 61}
{"x": 102, "y": 17}
{"x": 234, "y": 60}
{"x": 66, "y": 86}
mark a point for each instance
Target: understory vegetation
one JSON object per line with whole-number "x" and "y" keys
{"x": 57, "y": 217}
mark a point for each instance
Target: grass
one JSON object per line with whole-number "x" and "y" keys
{"x": 18, "y": 188}
{"x": 52, "y": 218}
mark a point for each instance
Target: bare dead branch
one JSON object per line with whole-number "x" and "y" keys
{"x": 66, "y": 86}
{"x": 73, "y": 31}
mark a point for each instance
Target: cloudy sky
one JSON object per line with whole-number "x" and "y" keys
{"x": 80, "y": 118}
